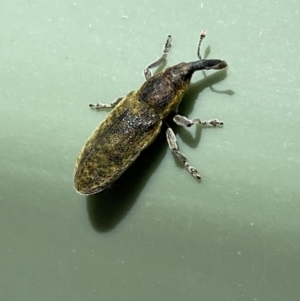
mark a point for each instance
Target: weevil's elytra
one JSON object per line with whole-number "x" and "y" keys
{"x": 135, "y": 121}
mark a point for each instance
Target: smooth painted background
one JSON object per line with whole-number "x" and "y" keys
{"x": 163, "y": 236}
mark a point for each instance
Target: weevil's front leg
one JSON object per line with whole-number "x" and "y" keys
{"x": 162, "y": 59}
{"x": 171, "y": 138}
{"x": 183, "y": 121}
{"x": 98, "y": 106}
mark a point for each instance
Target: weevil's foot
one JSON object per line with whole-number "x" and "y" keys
{"x": 98, "y": 106}
{"x": 192, "y": 170}
{"x": 195, "y": 174}
{"x": 94, "y": 105}
{"x": 214, "y": 122}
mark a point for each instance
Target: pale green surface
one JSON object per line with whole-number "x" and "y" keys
{"x": 234, "y": 236}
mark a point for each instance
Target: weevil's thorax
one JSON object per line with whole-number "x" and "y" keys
{"x": 164, "y": 91}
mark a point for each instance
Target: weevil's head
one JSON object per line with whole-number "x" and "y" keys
{"x": 164, "y": 91}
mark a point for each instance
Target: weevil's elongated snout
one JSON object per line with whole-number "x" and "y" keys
{"x": 221, "y": 65}
{"x": 183, "y": 72}
{"x": 207, "y": 65}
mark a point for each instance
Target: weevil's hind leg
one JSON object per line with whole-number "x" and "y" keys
{"x": 171, "y": 138}
{"x": 98, "y": 106}
{"x": 162, "y": 59}
{"x": 183, "y": 121}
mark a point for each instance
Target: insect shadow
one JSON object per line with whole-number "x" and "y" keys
{"x": 108, "y": 208}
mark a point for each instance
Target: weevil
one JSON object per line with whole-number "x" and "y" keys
{"x": 136, "y": 120}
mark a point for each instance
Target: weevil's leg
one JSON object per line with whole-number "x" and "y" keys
{"x": 162, "y": 59}
{"x": 202, "y": 36}
{"x": 171, "y": 138}
{"x": 183, "y": 121}
{"x": 98, "y": 106}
